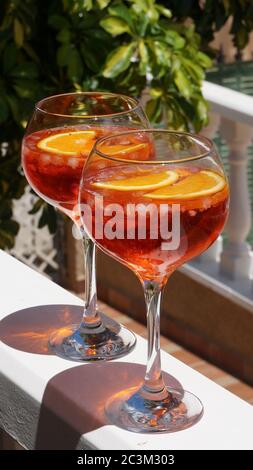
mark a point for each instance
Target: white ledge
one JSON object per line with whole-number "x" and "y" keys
{"x": 229, "y": 103}
{"x": 48, "y": 402}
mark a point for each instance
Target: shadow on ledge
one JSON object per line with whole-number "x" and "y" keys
{"x": 74, "y": 400}
{"x": 28, "y": 330}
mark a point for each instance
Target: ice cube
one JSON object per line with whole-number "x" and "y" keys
{"x": 46, "y": 158}
{"x": 192, "y": 213}
{"x": 73, "y": 162}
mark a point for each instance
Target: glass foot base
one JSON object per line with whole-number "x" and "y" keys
{"x": 137, "y": 411}
{"x": 108, "y": 341}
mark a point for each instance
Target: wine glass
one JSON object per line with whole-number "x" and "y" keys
{"x": 58, "y": 140}
{"x": 163, "y": 205}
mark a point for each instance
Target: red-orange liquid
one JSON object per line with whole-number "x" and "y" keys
{"x": 201, "y": 221}
{"x": 55, "y": 176}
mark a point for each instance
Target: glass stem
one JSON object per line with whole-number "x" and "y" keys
{"x": 153, "y": 382}
{"x": 90, "y": 314}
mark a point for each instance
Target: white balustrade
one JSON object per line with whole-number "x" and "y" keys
{"x": 236, "y": 258}
{"x": 214, "y": 252}
{"x": 232, "y": 114}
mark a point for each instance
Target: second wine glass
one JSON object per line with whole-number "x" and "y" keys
{"x": 163, "y": 205}
{"x": 58, "y": 140}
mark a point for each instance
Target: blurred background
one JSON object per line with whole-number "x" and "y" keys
{"x": 191, "y": 64}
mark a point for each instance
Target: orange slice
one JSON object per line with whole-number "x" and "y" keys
{"x": 69, "y": 143}
{"x": 203, "y": 183}
{"x": 140, "y": 183}
{"x": 112, "y": 150}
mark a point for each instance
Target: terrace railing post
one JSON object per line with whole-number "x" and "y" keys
{"x": 236, "y": 257}
{"x": 213, "y": 253}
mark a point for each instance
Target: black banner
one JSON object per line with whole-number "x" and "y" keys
{"x": 112, "y": 459}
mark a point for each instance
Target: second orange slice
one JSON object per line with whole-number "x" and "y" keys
{"x": 140, "y": 183}
{"x": 201, "y": 184}
{"x": 121, "y": 150}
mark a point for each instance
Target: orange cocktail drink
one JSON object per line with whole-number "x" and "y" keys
{"x": 58, "y": 140}
{"x": 53, "y": 160}
{"x": 200, "y": 195}
{"x": 154, "y": 210}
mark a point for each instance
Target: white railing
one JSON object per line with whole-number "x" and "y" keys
{"x": 231, "y": 113}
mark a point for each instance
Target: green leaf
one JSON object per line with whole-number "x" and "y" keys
{"x": 8, "y": 231}
{"x": 6, "y": 239}
{"x": 64, "y": 36}
{"x": 146, "y": 8}
{"x": 18, "y": 31}
{"x": 204, "y": 60}
{"x": 63, "y": 55}
{"x": 193, "y": 69}
{"x": 37, "y": 206}
{"x": 162, "y": 53}
{"x": 9, "y": 58}
{"x": 19, "y": 188}
{"x": 119, "y": 60}
{"x": 144, "y": 58}
{"x": 241, "y": 37}
{"x": 184, "y": 105}
{"x": 88, "y": 4}
{"x": 26, "y": 88}
{"x": 11, "y": 226}
{"x": 58, "y": 22}
{"x": 155, "y": 92}
{"x": 121, "y": 11}
{"x": 202, "y": 108}
{"x": 142, "y": 26}
{"x": 31, "y": 52}
{"x": 4, "y": 109}
{"x": 25, "y": 70}
{"x": 164, "y": 11}
{"x": 182, "y": 82}
{"x": 103, "y": 3}
{"x": 174, "y": 39}
{"x": 5, "y": 210}
{"x": 13, "y": 102}
{"x": 48, "y": 217}
{"x": 92, "y": 56}
{"x": 153, "y": 109}
{"x": 115, "y": 26}
{"x": 75, "y": 66}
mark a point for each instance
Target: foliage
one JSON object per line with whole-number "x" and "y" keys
{"x": 54, "y": 46}
{"x": 210, "y": 15}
